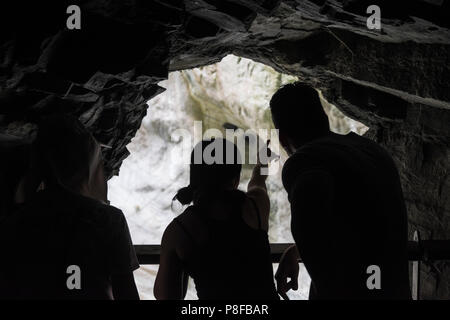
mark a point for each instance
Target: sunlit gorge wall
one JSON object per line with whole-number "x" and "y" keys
{"x": 235, "y": 91}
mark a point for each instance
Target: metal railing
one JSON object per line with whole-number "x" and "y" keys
{"x": 424, "y": 250}
{"x": 418, "y": 250}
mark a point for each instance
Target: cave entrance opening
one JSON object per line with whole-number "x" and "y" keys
{"x": 233, "y": 93}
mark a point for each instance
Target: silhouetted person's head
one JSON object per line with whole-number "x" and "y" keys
{"x": 70, "y": 157}
{"x": 215, "y": 166}
{"x": 298, "y": 115}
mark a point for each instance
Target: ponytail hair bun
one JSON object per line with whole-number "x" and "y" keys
{"x": 185, "y": 195}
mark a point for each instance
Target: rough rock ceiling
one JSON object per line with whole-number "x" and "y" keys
{"x": 395, "y": 80}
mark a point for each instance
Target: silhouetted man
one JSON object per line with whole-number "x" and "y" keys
{"x": 66, "y": 243}
{"x": 348, "y": 214}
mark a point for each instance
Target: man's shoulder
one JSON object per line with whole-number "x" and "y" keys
{"x": 318, "y": 155}
{"x": 67, "y": 206}
{"x": 335, "y": 145}
{"x": 99, "y": 212}
{"x": 306, "y": 157}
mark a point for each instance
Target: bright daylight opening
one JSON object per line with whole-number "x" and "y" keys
{"x": 234, "y": 91}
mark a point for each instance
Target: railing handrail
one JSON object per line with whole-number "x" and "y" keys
{"x": 417, "y": 251}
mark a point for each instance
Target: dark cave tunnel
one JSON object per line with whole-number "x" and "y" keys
{"x": 396, "y": 81}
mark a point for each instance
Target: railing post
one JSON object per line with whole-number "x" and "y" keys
{"x": 416, "y": 271}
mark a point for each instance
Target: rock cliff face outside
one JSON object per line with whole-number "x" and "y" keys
{"x": 235, "y": 91}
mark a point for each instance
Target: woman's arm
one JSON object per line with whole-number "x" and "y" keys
{"x": 170, "y": 283}
{"x": 257, "y": 181}
{"x": 257, "y": 193}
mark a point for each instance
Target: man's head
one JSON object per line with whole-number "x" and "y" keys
{"x": 70, "y": 156}
{"x": 298, "y": 115}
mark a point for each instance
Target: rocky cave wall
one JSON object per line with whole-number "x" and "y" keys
{"x": 395, "y": 80}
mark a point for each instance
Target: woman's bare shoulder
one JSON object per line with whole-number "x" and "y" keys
{"x": 185, "y": 232}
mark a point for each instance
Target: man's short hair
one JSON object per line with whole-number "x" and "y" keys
{"x": 64, "y": 149}
{"x": 297, "y": 111}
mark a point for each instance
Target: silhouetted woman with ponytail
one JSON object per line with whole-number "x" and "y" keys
{"x": 220, "y": 240}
